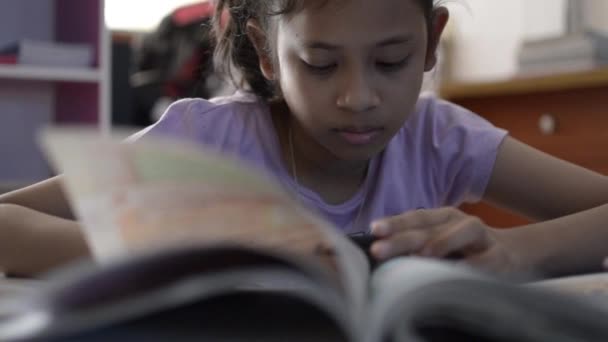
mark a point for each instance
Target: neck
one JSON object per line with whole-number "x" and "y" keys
{"x": 315, "y": 167}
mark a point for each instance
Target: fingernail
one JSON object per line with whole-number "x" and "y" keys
{"x": 380, "y": 228}
{"x": 381, "y": 249}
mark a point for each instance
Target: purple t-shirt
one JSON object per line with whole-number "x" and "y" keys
{"x": 442, "y": 156}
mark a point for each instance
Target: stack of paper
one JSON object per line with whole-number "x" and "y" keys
{"x": 572, "y": 52}
{"x": 47, "y": 53}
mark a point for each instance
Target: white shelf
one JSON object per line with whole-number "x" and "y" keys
{"x": 38, "y": 73}
{"x": 35, "y": 96}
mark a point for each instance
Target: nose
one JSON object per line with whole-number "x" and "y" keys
{"x": 357, "y": 94}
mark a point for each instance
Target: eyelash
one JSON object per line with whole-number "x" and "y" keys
{"x": 391, "y": 67}
{"x": 320, "y": 70}
{"x": 386, "y": 67}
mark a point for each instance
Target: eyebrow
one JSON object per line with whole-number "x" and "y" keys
{"x": 396, "y": 40}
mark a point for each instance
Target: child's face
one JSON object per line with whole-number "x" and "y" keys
{"x": 351, "y": 71}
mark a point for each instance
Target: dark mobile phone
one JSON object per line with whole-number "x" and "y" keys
{"x": 364, "y": 241}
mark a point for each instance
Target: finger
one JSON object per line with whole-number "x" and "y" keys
{"x": 412, "y": 220}
{"x": 466, "y": 236}
{"x": 399, "y": 244}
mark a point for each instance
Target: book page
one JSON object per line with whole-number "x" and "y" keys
{"x": 397, "y": 290}
{"x": 418, "y": 299}
{"x": 155, "y": 193}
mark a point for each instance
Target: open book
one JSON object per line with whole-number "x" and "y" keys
{"x": 193, "y": 245}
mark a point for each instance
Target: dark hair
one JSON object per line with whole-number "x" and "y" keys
{"x": 235, "y": 54}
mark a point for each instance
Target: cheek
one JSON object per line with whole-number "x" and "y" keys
{"x": 293, "y": 83}
{"x": 405, "y": 88}
{"x": 405, "y": 91}
{"x": 401, "y": 95}
{"x": 302, "y": 91}
{"x": 293, "y": 78}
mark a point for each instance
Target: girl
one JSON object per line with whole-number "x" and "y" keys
{"x": 329, "y": 104}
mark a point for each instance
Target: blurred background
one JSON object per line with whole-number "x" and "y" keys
{"x": 538, "y": 68}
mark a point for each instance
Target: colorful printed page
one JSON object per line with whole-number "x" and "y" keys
{"x": 145, "y": 194}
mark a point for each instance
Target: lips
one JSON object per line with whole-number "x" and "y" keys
{"x": 359, "y": 135}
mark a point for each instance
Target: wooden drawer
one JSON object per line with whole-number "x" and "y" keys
{"x": 580, "y": 134}
{"x": 577, "y": 114}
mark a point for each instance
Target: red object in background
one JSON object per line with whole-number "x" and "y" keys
{"x": 175, "y": 60}
{"x": 8, "y": 59}
{"x": 182, "y": 17}
{"x": 192, "y": 13}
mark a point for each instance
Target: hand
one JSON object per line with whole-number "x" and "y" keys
{"x": 447, "y": 233}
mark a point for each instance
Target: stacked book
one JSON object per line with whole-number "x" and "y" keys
{"x": 568, "y": 53}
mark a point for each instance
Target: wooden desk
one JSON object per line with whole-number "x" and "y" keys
{"x": 576, "y": 104}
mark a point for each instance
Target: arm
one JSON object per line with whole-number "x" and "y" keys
{"x": 46, "y": 196}
{"x": 37, "y": 232}
{"x": 32, "y": 242}
{"x": 572, "y": 201}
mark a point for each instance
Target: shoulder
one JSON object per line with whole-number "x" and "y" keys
{"x": 444, "y": 130}
{"x": 437, "y": 118}
{"x": 205, "y": 121}
{"x": 440, "y": 126}
{"x": 451, "y": 150}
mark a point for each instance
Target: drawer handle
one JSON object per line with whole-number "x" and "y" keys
{"x": 547, "y": 124}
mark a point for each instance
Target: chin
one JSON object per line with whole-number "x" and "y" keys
{"x": 358, "y": 154}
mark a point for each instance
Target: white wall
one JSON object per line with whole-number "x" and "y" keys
{"x": 543, "y": 18}
{"x": 139, "y": 15}
{"x": 486, "y": 34}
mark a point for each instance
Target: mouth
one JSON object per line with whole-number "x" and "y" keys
{"x": 359, "y": 135}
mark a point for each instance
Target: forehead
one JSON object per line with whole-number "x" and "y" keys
{"x": 355, "y": 21}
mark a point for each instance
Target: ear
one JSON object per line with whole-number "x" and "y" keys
{"x": 439, "y": 20}
{"x": 259, "y": 39}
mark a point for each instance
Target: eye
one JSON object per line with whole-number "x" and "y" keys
{"x": 320, "y": 69}
{"x": 392, "y": 66}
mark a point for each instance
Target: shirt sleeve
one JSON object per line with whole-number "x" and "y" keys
{"x": 462, "y": 148}
{"x": 179, "y": 121}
